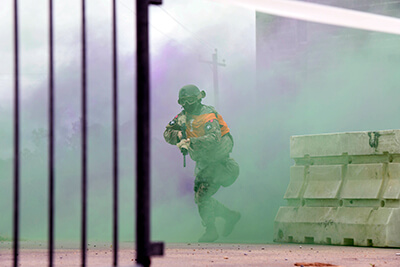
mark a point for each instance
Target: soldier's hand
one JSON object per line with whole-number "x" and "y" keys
{"x": 185, "y": 143}
{"x": 180, "y": 135}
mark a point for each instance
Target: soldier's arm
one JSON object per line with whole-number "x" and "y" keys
{"x": 171, "y": 133}
{"x": 211, "y": 138}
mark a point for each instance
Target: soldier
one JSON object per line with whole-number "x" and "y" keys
{"x": 209, "y": 143}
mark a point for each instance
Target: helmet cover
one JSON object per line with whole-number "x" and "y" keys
{"x": 190, "y": 94}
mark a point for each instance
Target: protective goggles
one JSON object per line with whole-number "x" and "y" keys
{"x": 189, "y": 100}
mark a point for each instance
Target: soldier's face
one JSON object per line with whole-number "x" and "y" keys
{"x": 190, "y": 107}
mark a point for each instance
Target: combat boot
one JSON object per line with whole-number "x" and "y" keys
{"x": 210, "y": 235}
{"x": 231, "y": 220}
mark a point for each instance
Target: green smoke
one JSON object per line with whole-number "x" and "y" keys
{"x": 353, "y": 87}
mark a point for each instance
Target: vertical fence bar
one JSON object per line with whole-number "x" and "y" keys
{"x": 144, "y": 248}
{"x": 16, "y": 138}
{"x": 84, "y": 138}
{"x": 115, "y": 136}
{"x": 51, "y": 137}
{"x": 143, "y": 133}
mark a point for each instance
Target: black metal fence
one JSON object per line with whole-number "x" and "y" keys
{"x": 145, "y": 249}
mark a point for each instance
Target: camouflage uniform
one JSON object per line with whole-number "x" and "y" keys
{"x": 214, "y": 167}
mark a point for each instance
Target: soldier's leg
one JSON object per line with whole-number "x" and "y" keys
{"x": 210, "y": 208}
{"x": 226, "y": 173}
{"x": 206, "y": 206}
{"x": 231, "y": 217}
{"x": 209, "y": 178}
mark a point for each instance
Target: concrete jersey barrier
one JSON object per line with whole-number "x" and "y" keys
{"x": 344, "y": 189}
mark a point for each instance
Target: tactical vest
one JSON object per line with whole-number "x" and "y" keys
{"x": 195, "y": 125}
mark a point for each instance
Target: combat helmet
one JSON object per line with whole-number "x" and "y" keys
{"x": 190, "y": 94}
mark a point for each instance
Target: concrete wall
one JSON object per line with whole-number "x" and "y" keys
{"x": 344, "y": 189}
{"x": 291, "y": 51}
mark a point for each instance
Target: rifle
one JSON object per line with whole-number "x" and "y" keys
{"x": 184, "y": 151}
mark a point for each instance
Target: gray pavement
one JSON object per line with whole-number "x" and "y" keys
{"x": 215, "y": 254}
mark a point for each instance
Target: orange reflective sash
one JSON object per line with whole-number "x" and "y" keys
{"x": 195, "y": 126}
